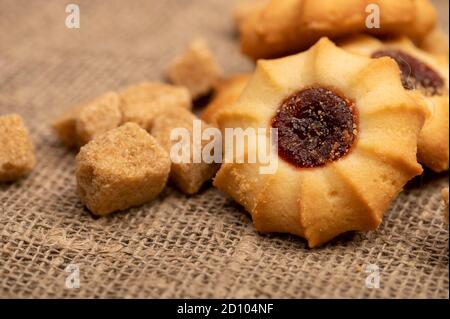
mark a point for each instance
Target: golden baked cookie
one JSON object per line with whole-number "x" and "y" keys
{"x": 225, "y": 94}
{"x": 426, "y": 77}
{"x": 347, "y": 139}
{"x": 243, "y": 8}
{"x": 435, "y": 42}
{"x": 285, "y": 27}
{"x": 425, "y": 20}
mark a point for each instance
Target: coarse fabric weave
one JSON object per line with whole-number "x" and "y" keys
{"x": 201, "y": 246}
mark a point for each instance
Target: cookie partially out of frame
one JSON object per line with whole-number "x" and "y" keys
{"x": 347, "y": 140}
{"x": 435, "y": 42}
{"x": 425, "y": 76}
{"x": 280, "y": 28}
{"x": 244, "y": 8}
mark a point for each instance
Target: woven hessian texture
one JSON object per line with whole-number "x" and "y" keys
{"x": 177, "y": 246}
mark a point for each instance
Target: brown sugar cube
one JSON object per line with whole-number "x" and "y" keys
{"x": 83, "y": 123}
{"x": 195, "y": 69}
{"x": 225, "y": 94}
{"x": 190, "y": 176}
{"x": 148, "y": 92}
{"x": 100, "y": 116}
{"x": 16, "y": 149}
{"x": 144, "y": 101}
{"x": 65, "y": 126}
{"x": 122, "y": 168}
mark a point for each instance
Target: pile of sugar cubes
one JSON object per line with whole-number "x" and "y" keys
{"x": 123, "y": 137}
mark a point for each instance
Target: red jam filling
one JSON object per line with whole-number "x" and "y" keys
{"x": 315, "y": 126}
{"x": 414, "y": 73}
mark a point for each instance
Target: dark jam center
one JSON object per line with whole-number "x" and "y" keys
{"x": 414, "y": 73}
{"x": 315, "y": 126}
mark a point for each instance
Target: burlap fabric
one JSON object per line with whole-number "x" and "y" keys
{"x": 177, "y": 246}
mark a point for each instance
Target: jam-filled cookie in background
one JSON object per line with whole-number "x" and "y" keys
{"x": 279, "y": 28}
{"x": 435, "y": 42}
{"x": 425, "y": 76}
{"x": 243, "y": 8}
{"x": 347, "y": 140}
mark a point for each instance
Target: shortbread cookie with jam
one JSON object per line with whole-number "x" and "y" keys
{"x": 280, "y": 28}
{"x": 347, "y": 140}
{"x": 425, "y": 76}
{"x": 225, "y": 94}
{"x": 244, "y": 8}
{"x": 435, "y": 42}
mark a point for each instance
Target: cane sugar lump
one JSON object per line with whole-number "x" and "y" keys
{"x": 189, "y": 175}
{"x": 81, "y": 124}
{"x": 156, "y": 92}
{"x": 16, "y": 149}
{"x": 65, "y": 126}
{"x": 99, "y": 117}
{"x": 196, "y": 69}
{"x": 122, "y": 168}
{"x": 144, "y": 101}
